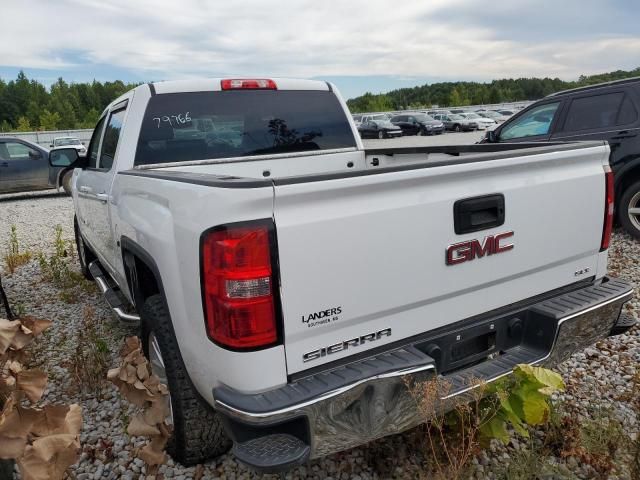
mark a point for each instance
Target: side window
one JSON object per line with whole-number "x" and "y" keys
{"x": 536, "y": 121}
{"x": 111, "y": 137}
{"x": 627, "y": 113}
{"x": 18, "y": 151}
{"x": 94, "y": 144}
{"x": 599, "y": 111}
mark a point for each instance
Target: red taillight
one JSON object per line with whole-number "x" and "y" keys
{"x": 237, "y": 283}
{"x": 248, "y": 84}
{"x": 608, "y": 210}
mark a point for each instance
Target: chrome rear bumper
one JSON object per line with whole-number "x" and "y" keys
{"x": 368, "y": 399}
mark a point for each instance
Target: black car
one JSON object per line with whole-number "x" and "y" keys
{"x": 379, "y": 129}
{"x": 607, "y": 111}
{"x": 418, "y": 124}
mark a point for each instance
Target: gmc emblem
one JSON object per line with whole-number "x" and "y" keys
{"x": 472, "y": 249}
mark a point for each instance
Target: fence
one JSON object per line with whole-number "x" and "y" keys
{"x": 45, "y": 139}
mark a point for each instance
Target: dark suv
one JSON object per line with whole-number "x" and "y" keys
{"x": 607, "y": 111}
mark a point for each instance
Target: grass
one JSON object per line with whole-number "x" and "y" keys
{"x": 55, "y": 269}
{"x": 91, "y": 357}
{"x": 15, "y": 257}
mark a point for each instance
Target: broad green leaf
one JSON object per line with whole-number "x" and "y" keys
{"x": 535, "y": 406}
{"x": 546, "y": 377}
{"x": 509, "y": 414}
{"x": 495, "y": 428}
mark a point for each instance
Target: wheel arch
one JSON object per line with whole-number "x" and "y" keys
{"x": 142, "y": 273}
{"x": 627, "y": 175}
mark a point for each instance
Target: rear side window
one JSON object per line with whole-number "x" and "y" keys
{"x": 207, "y": 125}
{"x": 599, "y": 111}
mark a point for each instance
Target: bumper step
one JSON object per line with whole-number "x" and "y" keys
{"x": 272, "y": 453}
{"x": 113, "y": 295}
{"x": 624, "y": 323}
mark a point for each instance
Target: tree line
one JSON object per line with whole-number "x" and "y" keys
{"x": 449, "y": 94}
{"x": 27, "y": 105}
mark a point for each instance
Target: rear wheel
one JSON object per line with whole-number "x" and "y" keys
{"x": 629, "y": 210}
{"x": 197, "y": 430}
{"x": 380, "y": 134}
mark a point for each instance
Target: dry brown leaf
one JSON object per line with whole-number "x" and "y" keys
{"x": 157, "y": 412}
{"x": 142, "y": 371}
{"x": 8, "y": 330}
{"x": 153, "y": 453}
{"x": 49, "y": 457}
{"x": 36, "y": 325}
{"x": 58, "y": 419}
{"x": 113, "y": 374}
{"x": 11, "y": 448}
{"x": 14, "y": 367}
{"x": 22, "y": 338}
{"x": 16, "y": 422}
{"x": 139, "y": 428}
{"x": 32, "y": 383}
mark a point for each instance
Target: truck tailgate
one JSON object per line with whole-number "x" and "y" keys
{"x": 363, "y": 258}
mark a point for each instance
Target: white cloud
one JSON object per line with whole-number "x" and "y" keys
{"x": 178, "y": 38}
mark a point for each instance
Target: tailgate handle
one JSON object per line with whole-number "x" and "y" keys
{"x": 478, "y": 213}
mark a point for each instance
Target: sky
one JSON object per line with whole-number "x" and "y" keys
{"x": 360, "y": 45}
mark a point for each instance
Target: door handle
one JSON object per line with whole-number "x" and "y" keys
{"x": 84, "y": 189}
{"x": 102, "y": 197}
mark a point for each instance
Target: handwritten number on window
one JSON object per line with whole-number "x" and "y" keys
{"x": 173, "y": 120}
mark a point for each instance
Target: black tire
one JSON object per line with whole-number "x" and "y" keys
{"x": 457, "y": 128}
{"x": 85, "y": 255}
{"x": 381, "y": 135}
{"x": 66, "y": 182}
{"x": 198, "y": 433}
{"x": 630, "y": 198}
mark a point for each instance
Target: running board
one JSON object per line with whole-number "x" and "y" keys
{"x": 112, "y": 295}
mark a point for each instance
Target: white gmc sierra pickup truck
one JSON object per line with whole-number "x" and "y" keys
{"x": 287, "y": 279}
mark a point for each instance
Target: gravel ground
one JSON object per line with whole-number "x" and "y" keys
{"x": 600, "y": 376}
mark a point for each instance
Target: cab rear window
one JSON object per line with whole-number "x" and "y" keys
{"x": 191, "y": 126}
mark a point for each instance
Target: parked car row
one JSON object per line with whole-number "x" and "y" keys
{"x": 384, "y": 126}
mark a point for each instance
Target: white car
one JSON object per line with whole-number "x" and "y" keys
{"x": 497, "y": 117}
{"x": 289, "y": 282}
{"x": 482, "y": 122}
{"x": 69, "y": 142}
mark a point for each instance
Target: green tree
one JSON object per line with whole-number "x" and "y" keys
{"x": 23, "y": 124}
{"x": 49, "y": 120}
{"x": 455, "y": 100}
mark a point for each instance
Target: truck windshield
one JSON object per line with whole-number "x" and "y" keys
{"x": 190, "y": 126}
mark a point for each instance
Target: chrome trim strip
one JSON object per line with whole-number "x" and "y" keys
{"x": 126, "y": 316}
{"x": 333, "y": 393}
{"x": 250, "y": 158}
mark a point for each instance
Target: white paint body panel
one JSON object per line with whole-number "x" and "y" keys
{"x": 374, "y": 244}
